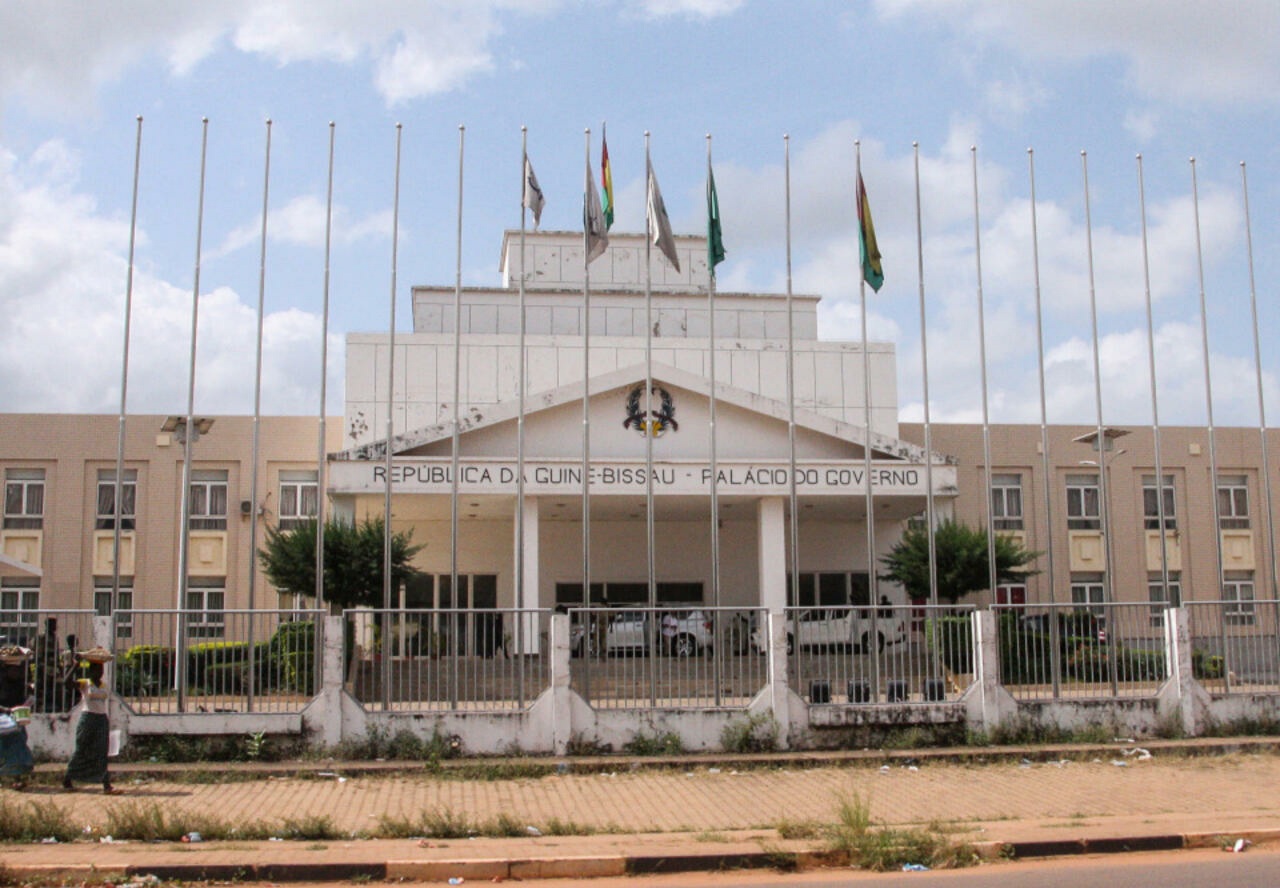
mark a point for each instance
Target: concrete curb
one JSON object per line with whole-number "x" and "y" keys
{"x": 599, "y": 866}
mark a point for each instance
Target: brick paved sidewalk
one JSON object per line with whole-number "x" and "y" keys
{"x": 701, "y": 805}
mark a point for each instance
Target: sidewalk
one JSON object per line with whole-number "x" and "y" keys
{"x": 689, "y": 813}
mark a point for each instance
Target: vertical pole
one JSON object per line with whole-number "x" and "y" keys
{"x": 117, "y": 493}
{"x": 324, "y": 378}
{"x": 992, "y": 572}
{"x": 924, "y": 369}
{"x": 793, "y": 529}
{"x": 717, "y": 621}
{"x": 257, "y": 421}
{"x": 588, "y": 618}
{"x": 1155, "y": 404}
{"x": 520, "y": 391}
{"x": 871, "y": 647}
{"x": 388, "y": 455}
{"x": 649, "y": 427}
{"x": 189, "y": 432}
{"x": 454, "y": 590}
{"x": 1055, "y": 660}
{"x": 1264, "y": 485}
{"x": 1208, "y": 399}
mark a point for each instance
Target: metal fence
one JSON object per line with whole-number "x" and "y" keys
{"x": 897, "y": 654}
{"x": 192, "y": 661}
{"x": 1235, "y": 645}
{"x": 51, "y": 636}
{"x": 1055, "y": 651}
{"x": 472, "y": 659}
{"x": 671, "y": 657}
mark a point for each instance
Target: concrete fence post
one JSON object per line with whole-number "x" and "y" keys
{"x": 561, "y": 696}
{"x": 329, "y": 690}
{"x": 1181, "y": 698}
{"x": 779, "y": 684}
{"x": 990, "y": 704}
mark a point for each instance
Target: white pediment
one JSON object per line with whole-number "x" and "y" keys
{"x": 748, "y": 425}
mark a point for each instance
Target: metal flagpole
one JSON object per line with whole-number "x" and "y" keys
{"x": 793, "y": 529}
{"x": 871, "y": 644}
{"x": 711, "y": 405}
{"x": 520, "y": 383}
{"x": 1208, "y": 392}
{"x": 1045, "y": 464}
{"x": 992, "y": 573}
{"x": 454, "y": 592}
{"x": 1055, "y": 662}
{"x": 1104, "y": 505}
{"x": 924, "y": 367}
{"x": 257, "y": 416}
{"x": 1265, "y": 486}
{"x": 324, "y": 367}
{"x": 649, "y": 426}
{"x": 118, "y": 491}
{"x": 189, "y": 432}
{"x": 391, "y": 392}
{"x": 588, "y": 642}
{"x": 1155, "y": 408}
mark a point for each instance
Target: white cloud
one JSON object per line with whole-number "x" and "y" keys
{"x": 1175, "y": 50}
{"x": 690, "y": 8}
{"x": 1142, "y": 125}
{"x": 62, "y": 50}
{"x": 301, "y": 221}
{"x": 62, "y": 281}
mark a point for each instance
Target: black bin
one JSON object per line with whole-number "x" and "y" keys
{"x": 859, "y": 692}
{"x": 896, "y": 691}
{"x": 934, "y": 690}
{"x": 819, "y": 691}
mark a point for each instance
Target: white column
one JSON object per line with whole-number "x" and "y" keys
{"x": 772, "y": 538}
{"x": 528, "y": 596}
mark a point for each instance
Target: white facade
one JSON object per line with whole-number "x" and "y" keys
{"x": 752, "y": 451}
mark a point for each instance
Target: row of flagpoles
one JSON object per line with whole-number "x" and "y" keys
{"x": 598, "y": 215}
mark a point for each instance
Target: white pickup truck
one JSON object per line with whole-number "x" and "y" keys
{"x": 837, "y": 628}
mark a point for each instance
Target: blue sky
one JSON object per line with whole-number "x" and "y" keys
{"x": 1170, "y": 79}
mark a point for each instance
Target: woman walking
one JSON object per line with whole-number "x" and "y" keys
{"x": 89, "y": 761}
{"x": 16, "y": 697}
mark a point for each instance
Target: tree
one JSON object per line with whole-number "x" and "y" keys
{"x": 353, "y": 559}
{"x": 962, "y": 561}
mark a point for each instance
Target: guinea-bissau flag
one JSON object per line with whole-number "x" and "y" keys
{"x": 868, "y": 250}
{"x": 606, "y": 181}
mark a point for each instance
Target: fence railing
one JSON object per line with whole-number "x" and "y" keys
{"x": 50, "y": 636}
{"x": 472, "y": 659}
{"x": 1235, "y": 645}
{"x": 670, "y": 657}
{"x": 1055, "y": 651}
{"x": 188, "y": 661}
{"x": 897, "y": 654}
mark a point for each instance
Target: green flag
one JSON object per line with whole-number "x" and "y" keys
{"x": 868, "y": 250}
{"x": 715, "y": 239}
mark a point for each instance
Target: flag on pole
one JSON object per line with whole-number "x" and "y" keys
{"x": 532, "y": 193}
{"x": 868, "y": 250}
{"x": 594, "y": 222}
{"x": 606, "y": 181}
{"x": 715, "y": 240}
{"x": 659, "y": 224}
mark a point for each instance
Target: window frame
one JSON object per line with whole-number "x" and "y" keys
{"x": 1236, "y": 514}
{"x": 294, "y": 489}
{"x": 1237, "y": 609}
{"x": 1006, "y": 501}
{"x": 208, "y": 483}
{"x": 201, "y": 620}
{"x": 1080, "y": 490}
{"x": 30, "y": 485}
{"x": 1150, "y": 505}
{"x": 106, "y": 520}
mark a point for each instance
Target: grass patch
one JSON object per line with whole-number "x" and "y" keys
{"x": 711, "y": 836}
{"x": 757, "y": 732}
{"x": 643, "y": 744}
{"x": 883, "y": 848}
{"x": 31, "y": 821}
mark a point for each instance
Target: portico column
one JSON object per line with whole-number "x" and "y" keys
{"x": 772, "y": 539}
{"x": 527, "y": 597}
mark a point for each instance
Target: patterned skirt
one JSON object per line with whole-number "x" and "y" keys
{"x": 15, "y": 755}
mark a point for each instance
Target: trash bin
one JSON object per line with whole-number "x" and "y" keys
{"x": 819, "y": 691}
{"x": 859, "y": 692}
{"x": 896, "y": 691}
{"x": 935, "y": 690}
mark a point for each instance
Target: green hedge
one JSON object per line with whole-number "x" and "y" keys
{"x": 285, "y": 661}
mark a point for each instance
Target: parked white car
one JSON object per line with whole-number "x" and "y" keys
{"x": 680, "y": 633}
{"x": 832, "y": 628}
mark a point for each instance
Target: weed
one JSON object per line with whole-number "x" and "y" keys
{"x": 254, "y": 745}
{"x": 312, "y": 827}
{"x": 504, "y": 826}
{"x": 581, "y": 745}
{"x": 31, "y": 822}
{"x": 557, "y": 827}
{"x": 668, "y": 743}
{"x": 710, "y": 836}
{"x": 882, "y": 849}
{"x": 434, "y": 823}
{"x": 757, "y": 732}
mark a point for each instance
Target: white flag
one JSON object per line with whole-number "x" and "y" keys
{"x": 532, "y": 193}
{"x": 659, "y": 224}
{"x": 593, "y": 222}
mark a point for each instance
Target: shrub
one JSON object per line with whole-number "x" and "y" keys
{"x": 668, "y": 743}
{"x": 758, "y": 732}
